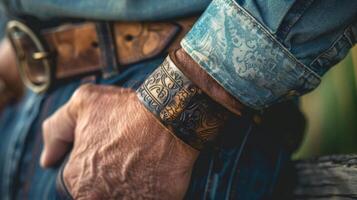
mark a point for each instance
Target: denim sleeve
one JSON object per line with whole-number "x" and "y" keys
{"x": 263, "y": 52}
{"x": 131, "y": 10}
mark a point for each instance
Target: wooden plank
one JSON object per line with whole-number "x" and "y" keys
{"x": 328, "y": 177}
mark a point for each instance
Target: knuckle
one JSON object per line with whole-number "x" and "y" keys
{"x": 86, "y": 87}
{"x": 82, "y": 93}
{"x": 83, "y": 90}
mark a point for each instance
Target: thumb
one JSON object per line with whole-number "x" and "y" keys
{"x": 58, "y": 135}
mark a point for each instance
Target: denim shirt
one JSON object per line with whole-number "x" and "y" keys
{"x": 262, "y": 52}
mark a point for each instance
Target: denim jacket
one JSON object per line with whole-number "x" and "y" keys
{"x": 262, "y": 52}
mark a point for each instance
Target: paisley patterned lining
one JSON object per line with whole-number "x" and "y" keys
{"x": 241, "y": 54}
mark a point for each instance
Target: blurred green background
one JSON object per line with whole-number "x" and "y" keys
{"x": 331, "y": 111}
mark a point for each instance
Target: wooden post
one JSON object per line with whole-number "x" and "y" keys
{"x": 328, "y": 177}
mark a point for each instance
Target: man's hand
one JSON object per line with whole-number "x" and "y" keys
{"x": 11, "y": 87}
{"x": 119, "y": 148}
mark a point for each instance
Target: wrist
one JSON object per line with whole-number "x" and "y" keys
{"x": 205, "y": 82}
{"x": 181, "y": 106}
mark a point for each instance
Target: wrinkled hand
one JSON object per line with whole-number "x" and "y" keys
{"x": 119, "y": 148}
{"x": 11, "y": 87}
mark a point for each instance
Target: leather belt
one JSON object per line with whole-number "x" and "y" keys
{"x": 74, "y": 50}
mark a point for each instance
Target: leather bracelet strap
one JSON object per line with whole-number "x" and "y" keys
{"x": 181, "y": 106}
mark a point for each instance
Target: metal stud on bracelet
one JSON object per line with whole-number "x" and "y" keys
{"x": 181, "y": 106}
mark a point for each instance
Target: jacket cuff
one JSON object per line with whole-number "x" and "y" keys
{"x": 245, "y": 58}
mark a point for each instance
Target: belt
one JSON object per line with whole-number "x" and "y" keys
{"x": 75, "y": 50}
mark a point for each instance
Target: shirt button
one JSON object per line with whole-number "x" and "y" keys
{"x": 257, "y": 119}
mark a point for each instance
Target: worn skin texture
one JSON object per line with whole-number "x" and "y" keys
{"x": 11, "y": 87}
{"x": 205, "y": 82}
{"x": 120, "y": 150}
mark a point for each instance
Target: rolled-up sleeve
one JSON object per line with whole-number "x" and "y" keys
{"x": 263, "y": 52}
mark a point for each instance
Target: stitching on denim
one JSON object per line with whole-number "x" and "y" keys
{"x": 276, "y": 171}
{"x": 349, "y": 34}
{"x": 208, "y": 181}
{"x": 31, "y": 169}
{"x": 343, "y": 37}
{"x": 333, "y": 44}
{"x": 48, "y": 188}
{"x": 15, "y": 153}
{"x": 299, "y": 12}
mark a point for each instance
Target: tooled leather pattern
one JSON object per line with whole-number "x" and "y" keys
{"x": 76, "y": 49}
{"x": 181, "y": 106}
{"x": 139, "y": 41}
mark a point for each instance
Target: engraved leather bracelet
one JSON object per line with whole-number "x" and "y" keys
{"x": 182, "y": 107}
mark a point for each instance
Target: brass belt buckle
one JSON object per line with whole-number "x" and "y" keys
{"x": 33, "y": 59}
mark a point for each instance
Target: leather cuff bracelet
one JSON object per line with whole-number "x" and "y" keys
{"x": 181, "y": 106}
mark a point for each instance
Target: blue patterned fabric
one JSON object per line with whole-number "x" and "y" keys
{"x": 244, "y": 57}
{"x": 248, "y": 60}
